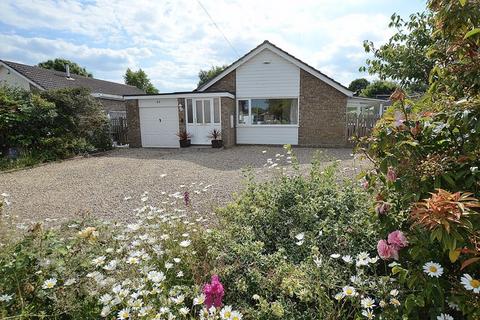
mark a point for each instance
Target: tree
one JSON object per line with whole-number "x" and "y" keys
{"x": 207, "y": 75}
{"x": 59, "y": 65}
{"x": 455, "y": 48}
{"x": 358, "y": 85}
{"x": 404, "y": 57}
{"x": 140, "y": 80}
{"x": 379, "y": 88}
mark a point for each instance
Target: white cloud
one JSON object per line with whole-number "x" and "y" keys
{"x": 173, "y": 40}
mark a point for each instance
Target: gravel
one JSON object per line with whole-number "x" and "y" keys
{"x": 98, "y": 186}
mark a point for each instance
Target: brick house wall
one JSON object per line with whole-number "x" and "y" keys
{"x": 112, "y": 105}
{"x": 227, "y": 83}
{"x": 133, "y": 123}
{"x": 322, "y": 116}
{"x": 228, "y": 133}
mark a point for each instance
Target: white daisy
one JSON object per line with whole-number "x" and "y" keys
{"x": 236, "y": 316}
{"x": 226, "y": 312}
{"x": 178, "y": 300}
{"x": 49, "y": 283}
{"x": 394, "y": 302}
{"x": 339, "y": 296}
{"x": 367, "y": 303}
{"x": 97, "y": 262}
{"x": 184, "y": 311}
{"x": 347, "y": 259}
{"x": 123, "y": 314}
{"x": 433, "y": 269}
{"x": 394, "y": 292}
{"x": 144, "y": 311}
{"x": 199, "y": 300}
{"x": 335, "y": 255}
{"x": 70, "y": 281}
{"x": 444, "y": 316}
{"x": 6, "y": 297}
{"x": 177, "y": 260}
{"x": 168, "y": 265}
{"x": 185, "y": 243}
{"x": 105, "y": 299}
{"x": 105, "y": 311}
{"x": 156, "y": 276}
{"x": 349, "y": 291}
{"x": 470, "y": 283}
{"x": 368, "y": 314}
{"x": 112, "y": 265}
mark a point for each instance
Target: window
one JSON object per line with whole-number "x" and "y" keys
{"x": 198, "y": 111}
{"x": 243, "y": 111}
{"x": 268, "y": 111}
{"x": 216, "y": 110}
{"x": 206, "y": 111}
{"x": 189, "y": 111}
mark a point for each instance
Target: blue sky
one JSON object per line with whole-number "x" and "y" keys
{"x": 173, "y": 40}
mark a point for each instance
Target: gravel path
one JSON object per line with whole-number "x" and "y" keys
{"x": 98, "y": 186}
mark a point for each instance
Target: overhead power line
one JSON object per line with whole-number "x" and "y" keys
{"x": 218, "y": 28}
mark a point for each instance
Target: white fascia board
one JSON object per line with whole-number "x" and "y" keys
{"x": 192, "y": 95}
{"x": 286, "y": 57}
{"x": 22, "y": 76}
{"x": 368, "y": 99}
{"x": 107, "y": 96}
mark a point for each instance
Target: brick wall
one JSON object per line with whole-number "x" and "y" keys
{"x": 228, "y": 133}
{"x": 227, "y": 83}
{"x": 322, "y": 113}
{"x": 112, "y": 105}
{"x": 133, "y": 123}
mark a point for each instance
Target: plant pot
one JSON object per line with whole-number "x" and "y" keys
{"x": 185, "y": 143}
{"x": 217, "y": 143}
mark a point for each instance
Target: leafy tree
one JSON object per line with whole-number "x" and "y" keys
{"x": 358, "y": 85}
{"x": 379, "y": 87}
{"x": 456, "y": 47}
{"x": 404, "y": 57}
{"x": 140, "y": 80}
{"x": 59, "y": 65}
{"x": 207, "y": 75}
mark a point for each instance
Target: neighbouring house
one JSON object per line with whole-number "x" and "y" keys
{"x": 266, "y": 97}
{"x": 109, "y": 94}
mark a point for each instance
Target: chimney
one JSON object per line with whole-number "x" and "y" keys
{"x": 67, "y": 70}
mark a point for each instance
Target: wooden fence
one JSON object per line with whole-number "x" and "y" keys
{"x": 360, "y": 125}
{"x": 118, "y": 130}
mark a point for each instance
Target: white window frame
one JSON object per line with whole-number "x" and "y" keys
{"x": 249, "y": 124}
{"x": 212, "y": 111}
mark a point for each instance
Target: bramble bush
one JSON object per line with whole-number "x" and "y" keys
{"x": 50, "y": 125}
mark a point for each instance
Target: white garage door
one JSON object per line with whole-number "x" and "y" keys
{"x": 159, "y": 123}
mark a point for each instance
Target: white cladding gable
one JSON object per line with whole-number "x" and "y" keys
{"x": 11, "y": 79}
{"x": 267, "y": 75}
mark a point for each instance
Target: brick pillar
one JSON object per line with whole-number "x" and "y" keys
{"x": 133, "y": 122}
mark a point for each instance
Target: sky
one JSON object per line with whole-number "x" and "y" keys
{"x": 173, "y": 40}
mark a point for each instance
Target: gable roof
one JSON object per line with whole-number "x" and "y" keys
{"x": 45, "y": 79}
{"x": 287, "y": 56}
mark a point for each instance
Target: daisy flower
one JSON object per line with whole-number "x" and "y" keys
{"x": 226, "y": 312}
{"x": 123, "y": 314}
{"x": 394, "y": 302}
{"x": 199, "y": 300}
{"x": 185, "y": 243}
{"x": 156, "y": 276}
{"x": 347, "y": 259}
{"x": 236, "y": 316}
{"x": 6, "y": 297}
{"x": 368, "y": 314}
{"x": 444, "y": 316}
{"x": 394, "y": 292}
{"x": 433, "y": 269}
{"x": 339, "y": 296}
{"x": 470, "y": 283}
{"x": 49, "y": 283}
{"x": 184, "y": 311}
{"x": 367, "y": 303}
{"x": 349, "y": 291}
{"x": 335, "y": 256}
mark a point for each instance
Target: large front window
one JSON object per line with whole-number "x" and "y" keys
{"x": 268, "y": 111}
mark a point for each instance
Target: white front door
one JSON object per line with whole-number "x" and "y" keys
{"x": 159, "y": 123}
{"x": 203, "y": 115}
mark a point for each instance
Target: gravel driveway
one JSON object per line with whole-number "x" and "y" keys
{"x": 100, "y": 185}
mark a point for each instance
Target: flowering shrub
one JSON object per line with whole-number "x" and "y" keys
{"x": 150, "y": 269}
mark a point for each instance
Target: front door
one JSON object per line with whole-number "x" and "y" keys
{"x": 203, "y": 115}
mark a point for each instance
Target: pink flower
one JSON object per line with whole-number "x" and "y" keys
{"x": 391, "y": 175}
{"x": 397, "y": 239}
{"x": 386, "y": 251}
{"x": 213, "y": 292}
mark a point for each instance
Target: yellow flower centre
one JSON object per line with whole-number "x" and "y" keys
{"x": 235, "y": 318}
{"x": 475, "y": 283}
{"x": 228, "y": 314}
{"x": 433, "y": 269}
{"x": 349, "y": 291}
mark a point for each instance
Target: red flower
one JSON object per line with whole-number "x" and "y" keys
{"x": 213, "y": 292}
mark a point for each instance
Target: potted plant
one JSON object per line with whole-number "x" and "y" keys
{"x": 215, "y": 136}
{"x": 184, "y": 138}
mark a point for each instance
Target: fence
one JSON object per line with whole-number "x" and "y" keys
{"x": 118, "y": 130}
{"x": 360, "y": 125}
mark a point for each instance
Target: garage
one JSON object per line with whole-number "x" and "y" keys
{"x": 159, "y": 123}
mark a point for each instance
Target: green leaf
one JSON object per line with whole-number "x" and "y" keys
{"x": 463, "y": 2}
{"x": 472, "y": 33}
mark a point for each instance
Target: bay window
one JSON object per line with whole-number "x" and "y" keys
{"x": 283, "y": 111}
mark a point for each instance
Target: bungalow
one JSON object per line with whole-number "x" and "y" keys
{"x": 109, "y": 94}
{"x": 266, "y": 97}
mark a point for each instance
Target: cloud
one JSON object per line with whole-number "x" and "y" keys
{"x": 173, "y": 40}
